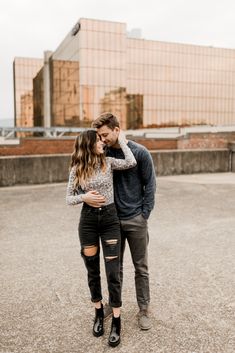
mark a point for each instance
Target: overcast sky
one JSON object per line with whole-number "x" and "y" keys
{"x": 28, "y": 27}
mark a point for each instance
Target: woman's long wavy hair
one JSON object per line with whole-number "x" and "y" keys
{"x": 85, "y": 157}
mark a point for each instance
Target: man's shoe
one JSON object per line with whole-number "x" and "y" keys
{"x": 144, "y": 320}
{"x": 114, "y": 337}
{"x": 98, "y": 328}
{"x": 107, "y": 311}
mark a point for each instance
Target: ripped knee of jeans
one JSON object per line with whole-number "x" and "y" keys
{"x": 112, "y": 249}
{"x": 90, "y": 250}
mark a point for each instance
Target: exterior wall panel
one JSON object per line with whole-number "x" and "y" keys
{"x": 24, "y": 71}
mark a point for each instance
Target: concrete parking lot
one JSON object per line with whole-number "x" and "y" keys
{"x": 45, "y": 306}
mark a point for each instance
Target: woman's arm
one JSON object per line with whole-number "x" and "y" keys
{"x": 73, "y": 197}
{"x": 129, "y": 160}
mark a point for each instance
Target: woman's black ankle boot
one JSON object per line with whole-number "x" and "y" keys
{"x": 98, "y": 328}
{"x": 114, "y": 337}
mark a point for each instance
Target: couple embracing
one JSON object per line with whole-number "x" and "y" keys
{"x": 114, "y": 180}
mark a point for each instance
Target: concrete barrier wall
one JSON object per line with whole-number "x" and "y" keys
{"x": 33, "y": 169}
{"x": 233, "y": 162}
{"x": 191, "y": 161}
{"x": 232, "y": 149}
{"x": 54, "y": 168}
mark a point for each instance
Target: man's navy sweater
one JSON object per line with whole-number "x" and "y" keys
{"x": 134, "y": 189}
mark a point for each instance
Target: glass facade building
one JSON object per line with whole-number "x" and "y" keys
{"x": 146, "y": 83}
{"x": 24, "y": 70}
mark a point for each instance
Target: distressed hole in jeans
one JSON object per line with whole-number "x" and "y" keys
{"x": 111, "y": 241}
{"x": 90, "y": 250}
{"x": 112, "y": 249}
{"x": 110, "y": 258}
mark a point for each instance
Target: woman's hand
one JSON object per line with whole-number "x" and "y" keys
{"x": 122, "y": 137}
{"x": 93, "y": 198}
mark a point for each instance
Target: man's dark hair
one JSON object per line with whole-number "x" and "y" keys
{"x": 107, "y": 119}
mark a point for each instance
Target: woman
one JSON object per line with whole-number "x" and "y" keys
{"x": 91, "y": 177}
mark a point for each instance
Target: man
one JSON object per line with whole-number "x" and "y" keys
{"x": 134, "y": 192}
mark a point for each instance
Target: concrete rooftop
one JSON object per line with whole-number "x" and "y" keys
{"x": 44, "y": 299}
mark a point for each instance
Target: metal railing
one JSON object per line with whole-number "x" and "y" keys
{"x": 51, "y": 132}
{"x": 166, "y": 132}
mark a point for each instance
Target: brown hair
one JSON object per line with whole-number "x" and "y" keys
{"x": 107, "y": 119}
{"x": 84, "y": 157}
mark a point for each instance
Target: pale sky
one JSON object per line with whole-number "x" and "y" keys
{"x": 28, "y": 28}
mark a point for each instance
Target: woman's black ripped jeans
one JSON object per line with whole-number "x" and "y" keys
{"x": 102, "y": 223}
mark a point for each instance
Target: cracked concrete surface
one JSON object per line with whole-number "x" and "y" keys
{"x": 45, "y": 306}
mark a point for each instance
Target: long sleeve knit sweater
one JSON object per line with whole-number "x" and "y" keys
{"x": 101, "y": 181}
{"x": 134, "y": 189}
